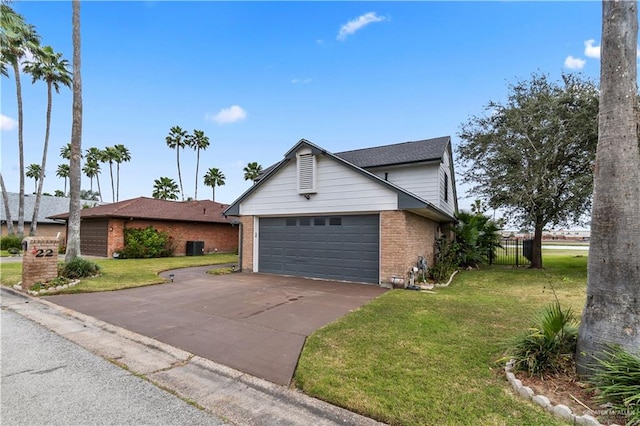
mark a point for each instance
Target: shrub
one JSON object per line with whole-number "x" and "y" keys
{"x": 549, "y": 345}
{"x": 79, "y": 268}
{"x": 446, "y": 259}
{"x": 10, "y": 241}
{"x": 617, "y": 380}
{"x": 146, "y": 243}
{"x": 477, "y": 237}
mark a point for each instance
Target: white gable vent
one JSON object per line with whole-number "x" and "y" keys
{"x": 306, "y": 173}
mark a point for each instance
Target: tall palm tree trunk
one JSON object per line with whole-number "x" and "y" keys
{"x": 195, "y": 195}
{"x": 7, "y": 210}
{"x": 16, "y": 71}
{"x": 179, "y": 174}
{"x": 612, "y": 310}
{"x": 113, "y": 191}
{"x": 73, "y": 236}
{"x": 98, "y": 182}
{"x": 36, "y": 206}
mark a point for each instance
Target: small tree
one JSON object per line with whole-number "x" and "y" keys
{"x": 165, "y": 188}
{"x": 252, "y": 171}
{"x": 33, "y": 171}
{"x": 533, "y": 155}
{"x": 477, "y": 238}
{"x": 213, "y": 178}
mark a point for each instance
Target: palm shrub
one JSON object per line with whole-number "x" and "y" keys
{"x": 549, "y": 345}
{"x": 79, "y": 268}
{"x": 10, "y": 242}
{"x": 477, "y": 237}
{"x": 617, "y": 381}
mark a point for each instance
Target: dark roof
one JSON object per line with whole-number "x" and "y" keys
{"x": 152, "y": 208}
{"x": 49, "y": 206}
{"x": 399, "y": 153}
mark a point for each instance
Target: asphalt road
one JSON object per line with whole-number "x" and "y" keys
{"x": 48, "y": 380}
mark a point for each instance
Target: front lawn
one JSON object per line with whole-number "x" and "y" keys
{"x": 421, "y": 359}
{"x": 125, "y": 273}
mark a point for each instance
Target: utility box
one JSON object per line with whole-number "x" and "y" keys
{"x": 195, "y": 248}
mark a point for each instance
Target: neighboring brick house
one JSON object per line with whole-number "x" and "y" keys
{"x": 49, "y": 206}
{"x": 363, "y": 215}
{"x": 102, "y": 228}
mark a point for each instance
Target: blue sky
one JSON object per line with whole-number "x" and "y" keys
{"x": 258, "y": 76}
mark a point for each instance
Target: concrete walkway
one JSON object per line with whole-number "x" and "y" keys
{"x": 230, "y": 394}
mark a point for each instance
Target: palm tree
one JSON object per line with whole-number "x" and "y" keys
{"x": 92, "y": 167}
{"x": 16, "y": 39}
{"x": 73, "y": 226}
{"x": 110, "y": 155}
{"x": 53, "y": 70}
{"x": 65, "y": 151}
{"x": 252, "y": 171}
{"x": 165, "y": 189}
{"x": 611, "y": 315}
{"x": 7, "y": 211}
{"x": 213, "y": 178}
{"x": 177, "y": 140}
{"x": 34, "y": 172}
{"x": 198, "y": 141}
{"x": 124, "y": 156}
{"x": 63, "y": 172}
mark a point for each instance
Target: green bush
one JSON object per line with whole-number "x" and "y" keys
{"x": 617, "y": 380}
{"x": 446, "y": 260}
{"x": 10, "y": 241}
{"x": 549, "y": 345}
{"x": 79, "y": 268}
{"x": 477, "y": 237}
{"x": 146, "y": 243}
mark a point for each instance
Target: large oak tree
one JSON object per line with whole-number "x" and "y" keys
{"x": 532, "y": 156}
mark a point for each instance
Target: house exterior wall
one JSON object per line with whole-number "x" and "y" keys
{"x": 247, "y": 243}
{"x": 419, "y": 179}
{"x": 218, "y": 237}
{"x": 446, "y": 168}
{"x": 403, "y": 237}
{"x": 339, "y": 190}
{"x": 48, "y": 230}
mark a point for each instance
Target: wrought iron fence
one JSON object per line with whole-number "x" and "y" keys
{"x": 514, "y": 251}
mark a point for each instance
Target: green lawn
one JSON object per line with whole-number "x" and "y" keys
{"x": 125, "y": 273}
{"x": 422, "y": 359}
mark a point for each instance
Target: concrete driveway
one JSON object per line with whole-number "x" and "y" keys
{"x": 255, "y": 323}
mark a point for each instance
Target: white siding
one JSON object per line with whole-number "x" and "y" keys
{"x": 445, "y": 168}
{"x": 419, "y": 179}
{"x": 339, "y": 189}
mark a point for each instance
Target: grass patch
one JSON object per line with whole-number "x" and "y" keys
{"x": 125, "y": 273}
{"x": 416, "y": 358}
{"x": 221, "y": 271}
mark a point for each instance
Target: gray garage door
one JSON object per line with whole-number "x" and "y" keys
{"x": 329, "y": 247}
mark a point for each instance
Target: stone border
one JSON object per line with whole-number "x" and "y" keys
{"x": 47, "y": 290}
{"x": 559, "y": 410}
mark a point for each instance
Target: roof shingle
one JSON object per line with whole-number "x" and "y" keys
{"x": 399, "y": 153}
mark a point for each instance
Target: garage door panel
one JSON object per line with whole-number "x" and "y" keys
{"x": 330, "y": 247}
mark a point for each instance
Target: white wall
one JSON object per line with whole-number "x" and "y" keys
{"x": 339, "y": 189}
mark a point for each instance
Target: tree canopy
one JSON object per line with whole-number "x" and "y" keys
{"x": 532, "y": 156}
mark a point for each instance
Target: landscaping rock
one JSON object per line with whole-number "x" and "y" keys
{"x": 525, "y": 392}
{"x": 587, "y": 420}
{"x": 542, "y": 401}
{"x": 563, "y": 411}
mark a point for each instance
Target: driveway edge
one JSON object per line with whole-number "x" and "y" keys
{"x": 237, "y": 397}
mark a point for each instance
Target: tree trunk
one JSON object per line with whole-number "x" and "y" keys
{"x": 98, "y": 182}
{"x": 536, "y": 255}
{"x": 113, "y": 191}
{"x": 36, "y": 205}
{"x": 612, "y": 310}
{"x": 117, "y": 182}
{"x": 195, "y": 195}
{"x": 179, "y": 174}
{"x": 75, "y": 173}
{"x": 7, "y": 210}
{"x": 16, "y": 70}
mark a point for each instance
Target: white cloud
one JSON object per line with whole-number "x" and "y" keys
{"x": 574, "y": 63}
{"x": 228, "y": 115}
{"x": 590, "y": 50}
{"x": 7, "y": 123}
{"x": 301, "y": 81}
{"x": 358, "y": 23}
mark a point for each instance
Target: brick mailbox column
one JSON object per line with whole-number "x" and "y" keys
{"x": 39, "y": 260}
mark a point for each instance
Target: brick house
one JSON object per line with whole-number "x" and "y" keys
{"x": 102, "y": 227}
{"x": 363, "y": 215}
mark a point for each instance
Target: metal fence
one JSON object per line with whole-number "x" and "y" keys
{"x": 514, "y": 251}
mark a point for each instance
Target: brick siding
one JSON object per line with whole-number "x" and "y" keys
{"x": 247, "y": 243}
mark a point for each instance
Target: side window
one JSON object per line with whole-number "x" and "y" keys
{"x": 446, "y": 187}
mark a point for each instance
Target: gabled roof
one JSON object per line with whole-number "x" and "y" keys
{"x": 399, "y": 153}
{"x": 155, "y": 209}
{"x": 49, "y": 206}
{"x": 406, "y": 200}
